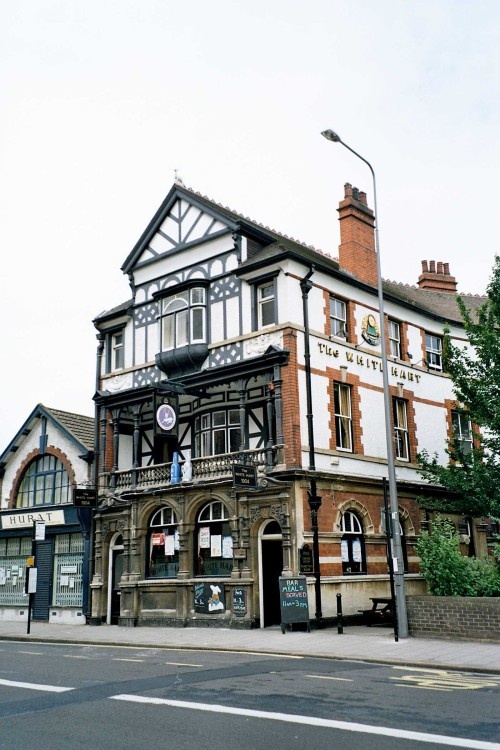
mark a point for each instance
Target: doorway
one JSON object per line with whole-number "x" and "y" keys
{"x": 270, "y": 568}
{"x": 42, "y": 597}
{"x": 115, "y": 570}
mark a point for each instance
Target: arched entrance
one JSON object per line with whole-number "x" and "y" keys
{"x": 115, "y": 570}
{"x": 270, "y": 569}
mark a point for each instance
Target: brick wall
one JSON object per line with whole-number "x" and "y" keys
{"x": 454, "y": 617}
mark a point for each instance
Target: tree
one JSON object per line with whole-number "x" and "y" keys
{"x": 472, "y": 480}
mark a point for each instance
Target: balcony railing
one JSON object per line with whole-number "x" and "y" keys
{"x": 205, "y": 469}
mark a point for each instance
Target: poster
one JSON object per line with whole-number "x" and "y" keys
{"x": 356, "y": 550}
{"x": 204, "y": 537}
{"x": 227, "y": 547}
{"x": 170, "y": 545}
{"x": 3, "y": 577}
{"x": 216, "y": 545}
{"x": 344, "y": 550}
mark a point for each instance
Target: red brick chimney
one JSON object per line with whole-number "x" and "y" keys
{"x": 357, "y": 236}
{"x": 438, "y": 279}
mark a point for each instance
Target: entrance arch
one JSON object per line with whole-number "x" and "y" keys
{"x": 270, "y": 569}
{"x": 115, "y": 570}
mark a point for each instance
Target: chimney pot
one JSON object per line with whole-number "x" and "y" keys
{"x": 424, "y": 266}
{"x": 440, "y": 267}
{"x": 432, "y": 266}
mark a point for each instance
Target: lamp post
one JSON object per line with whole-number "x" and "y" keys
{"x": 401, "y": 629}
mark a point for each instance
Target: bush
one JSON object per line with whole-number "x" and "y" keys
{"x": 447, "y": 572}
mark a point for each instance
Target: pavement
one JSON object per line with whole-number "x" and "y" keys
{"x": 359, "y": 643}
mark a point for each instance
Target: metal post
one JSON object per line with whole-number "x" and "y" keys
{"x": 401, "y": 612}
{"x": 340, "y": 622}
{"x": 313, "y": 499}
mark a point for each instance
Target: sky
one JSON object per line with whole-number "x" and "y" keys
{"x": 103, "y": 101}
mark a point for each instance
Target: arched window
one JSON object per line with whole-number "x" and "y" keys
{"x": 352, "y": 544}
{"x": 45, "y": 482}
{"x": 213, "y": 541}
{"x": 163, "y": 544}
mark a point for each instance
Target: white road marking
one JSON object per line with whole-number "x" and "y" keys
{"x": 327, "y": 677}
{"x": 36, "y": 686}
{"x": 347, "y": 726}
{"x": 119, "y": 659}
{"x": 182, "y": 664}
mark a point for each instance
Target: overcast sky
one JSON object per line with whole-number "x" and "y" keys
{"x": 102, "y": 100}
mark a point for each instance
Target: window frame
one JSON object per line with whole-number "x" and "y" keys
{"x": 343, "y": 421}
{"x": 394, "y": 341}
{"x": 215, "y": 516}
{"x": 164, "y": 518}
{"x": 353, "y": 540}
{"x": 271, "y": 301}
{"x": 401, "y": 430}
{"x": 338, "y": 322}
{"x": 177, "y": 314}
{"x": 115, "y": 353}
{"x": 208, "y": 429}
{"x": 46, "y": 477}
{"x": 461, "y": 437}
{"x": 434, "y": 354}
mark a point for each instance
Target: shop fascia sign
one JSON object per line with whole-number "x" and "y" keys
{"x": 365, "y": 360}
{"x": 28, "y": 518}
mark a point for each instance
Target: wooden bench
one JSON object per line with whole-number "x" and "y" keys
{"x": 380, "y": 613}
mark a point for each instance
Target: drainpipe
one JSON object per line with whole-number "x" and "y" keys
{"x": 95, "y": 480}
{"x": 313, "y": 499}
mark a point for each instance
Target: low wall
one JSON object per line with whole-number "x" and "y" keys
{"x": 464, "y": 618}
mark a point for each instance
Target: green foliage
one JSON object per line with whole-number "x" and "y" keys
{"x": 472, "y": 481}
{"x": 447, "y": 572}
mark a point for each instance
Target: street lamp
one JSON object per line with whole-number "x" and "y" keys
{"x": 401, "y": 629}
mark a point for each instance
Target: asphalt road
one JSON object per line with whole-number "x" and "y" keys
{"x": 66, "y": 697}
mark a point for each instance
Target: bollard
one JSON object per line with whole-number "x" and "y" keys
{"x": 340, "y": 626}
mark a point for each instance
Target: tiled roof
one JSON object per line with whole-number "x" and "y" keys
{"x": 441, "y": 304}
{"x": 81, "y": 427}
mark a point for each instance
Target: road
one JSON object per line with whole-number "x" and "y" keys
{"x": 71, "y": 696}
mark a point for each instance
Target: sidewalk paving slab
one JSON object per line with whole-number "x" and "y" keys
{"x": 359, "y": 643}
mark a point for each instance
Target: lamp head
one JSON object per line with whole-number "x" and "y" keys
{"x": 330, "y": 135}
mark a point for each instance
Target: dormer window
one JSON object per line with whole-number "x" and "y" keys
{"x": 115, "y": 352}
{"x": 183, "y": 318}
{"x": 264, "y": 302}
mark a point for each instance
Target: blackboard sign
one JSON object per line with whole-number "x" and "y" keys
{"x": 306, "y": 561}
{"x": 239, "y": 601}
{"x": 209, "y": 597}
{"x": 244, "y": 476}
{"x": 294, "y": 603}
{"x": 83, "y": 498}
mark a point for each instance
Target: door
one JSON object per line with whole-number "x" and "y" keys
{"x": 271, "y": 567}
{"x": 42, "y": 597}
{"x": 115, "y": 589}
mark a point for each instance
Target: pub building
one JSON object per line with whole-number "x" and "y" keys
{"x": 240, "y": 419}
{"x": 47, "y": 462}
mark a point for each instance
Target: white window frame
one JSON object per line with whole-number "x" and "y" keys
{"x": 178, "y": 313}
{"x": 338, "y": 317}
{"x": 462, "y": 431}
{"x": 401, "y": 436}
{"x": 266, "y": 303}
{"x": 434, "y": 351}
{"x": 343, "y": 417}
{"x": 395, "y": 338}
